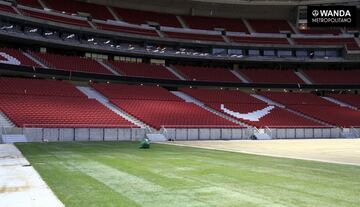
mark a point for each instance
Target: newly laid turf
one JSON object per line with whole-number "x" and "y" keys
{"x": 105, "y": 174}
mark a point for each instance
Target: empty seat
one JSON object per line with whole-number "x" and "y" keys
{"x": 135, "y": 92}
{"x": 143, "y": 17}
{"x": 270, "y": 25}
{"x": 30, "y": 3}
{"x": 351, "y": 99}
{"x": 18, "y": 54}
{"x": 322, "y": 76}
{"x": 172, "y": 114}
{"x": 142, "y": 70}
{"x": 210, "y": 23}
{"x": 55, "y": 18}
{"x": 259, "y": 40}
{"x": 72, "y": 63}
{"x": 97, "y": 11}
{"x": 272, "y": 76}
{"x": 207, "y": 74}
{"x": 350, "y": 43}
{"x": 193, "y": 36}
{"x": 124, "y": 29}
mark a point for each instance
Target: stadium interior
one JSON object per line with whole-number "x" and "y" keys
{"x": 96, "y": 70}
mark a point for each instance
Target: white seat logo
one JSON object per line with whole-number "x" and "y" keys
{"x": 251, "y": 116}
{"x": 9, "y": 59}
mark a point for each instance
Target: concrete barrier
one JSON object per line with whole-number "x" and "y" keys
{"x": 110, "y": 134}
{"x": 33, "y": 134}
{"x": 193, "y": 134}
{"x": 204, "y": 134}
{"x": 67, "y": 134}
{"x": 82, "y": 134}
{"x": 96, "y": 134}
{"x": 51, "y": 134}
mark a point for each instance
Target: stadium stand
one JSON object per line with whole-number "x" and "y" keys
{"x": 207, "y": 74}
{"x": 34, "y": 87}
{"x": 271, "y": 76}
{"x": 30, "y": 3}
{"x": 192, "y": 36}
{"x": 13, "y": 53}
{"x": 249, "y": 110}
{"x": 321, "y": 76}
{"x": 172, "y": 114}
{"x": 349, "y": 42}
{"x": 158, "y": 107}
{"x": 134, "y": 92}
{"x": 6, "y": 8}
{"x": 72, "y": 63}
{"x": 55, "y": 18}
{"x": 351, "y": 99}
{"x": 269, "y": 26}
{"x": 72, "y": 7}
{"x": 315, "y": 31}
{"x": 53, "y": 104}
{"x": 143, "y": 17}
{"x": 124, "y": 29}
{"x": 210, "y": 23}
{"x": 142, "y": 70}
{"x": 317, "y": 107}
{"x": 259, "y": 40}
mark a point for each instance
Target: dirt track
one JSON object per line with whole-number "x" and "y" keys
{"x": 344, "y": 151}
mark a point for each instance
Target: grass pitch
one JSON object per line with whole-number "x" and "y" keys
{"x": 86, "y": 174}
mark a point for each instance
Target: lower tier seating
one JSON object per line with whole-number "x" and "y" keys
{"x": 59, "y": 112}
{"x": 221, "y": 96}
{"x": 270, "y": 25}
{"x": 248, "y": 109}
{"x": 142, "y": 70}
{"x": 335, "y": 115}
{"x": 317, "y": 107}
{"x": 207, "y": 74}
{"x": 172, "y": 114}
{"x": 8, "y": 9}
{"x": 135, "y": 92}
{"x": 263, "y": 115}
{"x": 351, "y": 99}
{"x": 22, "y": 86}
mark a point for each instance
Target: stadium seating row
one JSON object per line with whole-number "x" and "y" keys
{"x": 283, "y": 76}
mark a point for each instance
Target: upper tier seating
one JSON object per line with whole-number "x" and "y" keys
{"x": 55, "y": 18}
{"x": 30, "y": 3}
{"x": 318, "y": 108}
{"x": 207, "y": 74}
{"x": 142, "y": 70}
{"x": 71, "y": 6}
{"x": 349, "y": 42}
{"x": 53, "y": 104}
{"x": 135, "y": 92}
{"x": 209, "y": 23}
{"x": 221, "y": 96}
{"x": 5, "y": 8}
{"x": 259, "y": 40}
{"x": 271, "y": 76}
{"x": 19, "y": 56}
{"x": 334, "y": 76}
{"x": 172, "y": 114}
{"x": 123, "y": 29}
{"x": 72, "y": 63}
{"x": 191, "y": 36}
{"x": 142, "y": 17}
{"x": 248, "y": 109}
{"x": 34, "y": 87}
{"x": 269, "y": 26}
{"x": 351, "y": 99}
